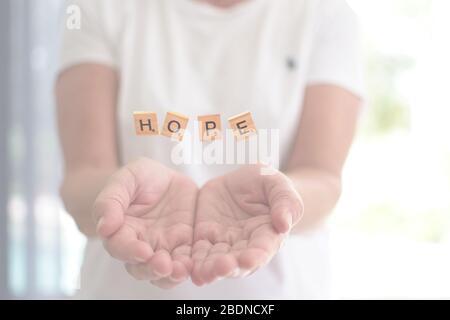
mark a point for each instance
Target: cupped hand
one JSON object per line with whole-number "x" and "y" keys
{"x": 241, "y": 220}
{"x": 145, "y": 216}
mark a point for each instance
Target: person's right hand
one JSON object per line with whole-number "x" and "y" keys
{"x": 145, "y": 216}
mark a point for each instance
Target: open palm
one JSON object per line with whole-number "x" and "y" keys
{"x": 241, "y": 220}
{"x": 145, "y": 215}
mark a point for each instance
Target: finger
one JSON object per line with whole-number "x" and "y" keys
{"x": 282, "y": 219}
{"x": 164, "y": 283}
{"x": 161, "y": 264}
{"x": 261, "y": 248}
{"x": 286, "y": 206}
{"x": 139, "y": 271}
{"x": 179, "y": 272}
{"x": 252, "y": 258}
{"x": 179, "y": 275}
{"x": 110, "y": 205}
{"x": 109, "y": 216}
{"x": 214, "y": 260}
{"x": 125, "y": 246}
{"x": 199, "y": 254}
{"x": 182, "y": 255}
{"x": 143, "y": 271}
{"x": 237, "y": 271}
{"x": 225, "y": 265}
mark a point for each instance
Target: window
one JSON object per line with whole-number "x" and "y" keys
{"x": 38, "y": 238}
{"x": 391, "y": 228}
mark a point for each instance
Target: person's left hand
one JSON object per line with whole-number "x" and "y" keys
{"x": 241, "y": 220}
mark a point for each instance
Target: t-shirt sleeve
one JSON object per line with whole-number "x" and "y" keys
{"x": 92, "y": 41}
{"x": 336, "y": 56}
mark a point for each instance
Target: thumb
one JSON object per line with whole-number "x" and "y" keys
{"x": 286, "y": 205}
{"x": 110, "y": 205}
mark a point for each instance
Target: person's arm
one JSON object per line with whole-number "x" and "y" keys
{"x": 325, "y": 134}
{"x": 86, "y": 106}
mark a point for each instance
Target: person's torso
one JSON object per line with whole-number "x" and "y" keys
{"x": 187, "y": 57}
{"x": 182, "y": 56}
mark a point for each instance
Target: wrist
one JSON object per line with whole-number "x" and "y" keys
{"x": 78, "y": 191}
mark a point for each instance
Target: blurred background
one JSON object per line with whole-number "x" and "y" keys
{"x": 390, "y": 233}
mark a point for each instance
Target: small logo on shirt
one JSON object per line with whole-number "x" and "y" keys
{"x": 291, "y": 63}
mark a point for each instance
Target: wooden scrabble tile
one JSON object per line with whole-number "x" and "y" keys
{"x": 210, "y": 127}
{"x": 174, "y": 125}
{"x": 146, "y": 123}
{"x": 242, "y": 125}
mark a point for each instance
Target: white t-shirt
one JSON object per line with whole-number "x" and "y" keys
{"x": 195, "y": 59}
